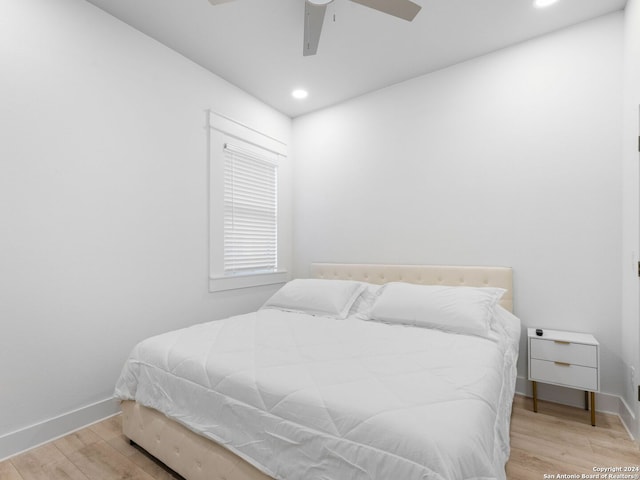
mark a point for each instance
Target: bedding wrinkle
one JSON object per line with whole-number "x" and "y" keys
{"x": 263, "y": 404}
{"x": 203, "y": 364}
{"x": 348, "y": 461}
{"x": 170, "y": 350}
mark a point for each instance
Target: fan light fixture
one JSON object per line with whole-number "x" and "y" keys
{"x": 543, "y": 3}
{"x": 314, "y": 12}
{"x": 300, "y": 94}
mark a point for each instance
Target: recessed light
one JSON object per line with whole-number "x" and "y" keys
{"x": 543, "y": 3}
{"x": 299, "y": 94}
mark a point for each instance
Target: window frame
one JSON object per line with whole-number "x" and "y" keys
{"x": 220, "y": 131}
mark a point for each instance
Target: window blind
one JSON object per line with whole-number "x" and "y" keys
{"x": 250, "y": 212}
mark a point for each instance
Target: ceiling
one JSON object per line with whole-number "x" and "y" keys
{"x": 257, "y": 44}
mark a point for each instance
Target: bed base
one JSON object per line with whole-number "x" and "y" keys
{"x": 188, "y": 454}
{"x": 197, "y": 458}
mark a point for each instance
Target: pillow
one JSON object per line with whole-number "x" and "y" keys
{"x": 465, "y": 310}
{"x": 331, "y": 298}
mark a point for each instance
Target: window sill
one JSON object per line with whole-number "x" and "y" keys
{"x": 221, "y": 283}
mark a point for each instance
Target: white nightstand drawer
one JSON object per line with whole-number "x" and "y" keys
{"x": 575, "y": 376}
{"x": 574, "y": 353}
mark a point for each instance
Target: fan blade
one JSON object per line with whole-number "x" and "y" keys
{"x": 404, "y": 9}
{"x": 313, "y": 20}
{"x": 218, "y": 2}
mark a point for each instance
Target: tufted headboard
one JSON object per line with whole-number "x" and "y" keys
{"x": 501, "y": 277}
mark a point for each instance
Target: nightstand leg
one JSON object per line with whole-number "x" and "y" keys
{"x": 586, "y": 400}
{"x": 535, "y": 396}
{"x": 593, "y": 409}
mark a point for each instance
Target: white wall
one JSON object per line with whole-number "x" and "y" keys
{"x": 631, "y": 210}
{"x": 103, "y": 205}
{"x": 509, "y": 159}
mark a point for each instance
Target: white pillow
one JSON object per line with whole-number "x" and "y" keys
{"x": 331, "y": 298}
{"x": 465, "y": 310}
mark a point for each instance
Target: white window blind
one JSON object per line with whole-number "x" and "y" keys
{"x": 250, "y": 212}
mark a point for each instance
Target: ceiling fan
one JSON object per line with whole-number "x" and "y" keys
{"x": 314, "y": 11}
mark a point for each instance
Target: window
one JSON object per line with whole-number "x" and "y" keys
{"x": 243, "y": 200}
{"x": 250, "y": 212}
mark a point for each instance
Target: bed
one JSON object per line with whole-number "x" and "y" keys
{"x": 290, "y": 393}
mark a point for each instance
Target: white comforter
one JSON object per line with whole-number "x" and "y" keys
{"x": 304, "y": 398}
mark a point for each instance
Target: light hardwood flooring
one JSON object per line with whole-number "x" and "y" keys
{"x": 560, "y": 440}
{"x": 556, "y": 440}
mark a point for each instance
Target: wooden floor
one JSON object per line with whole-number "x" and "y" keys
{"x": 560, "y": 440}
{"x": 556, "y": 440}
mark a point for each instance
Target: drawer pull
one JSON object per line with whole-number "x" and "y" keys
{"x": 561, "y": 342}
{"x": 562, "y": 364}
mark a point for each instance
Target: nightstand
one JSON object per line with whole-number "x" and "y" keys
{"x": 567, "y": 359}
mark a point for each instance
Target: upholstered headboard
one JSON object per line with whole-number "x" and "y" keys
{"x": 501, "y": 277}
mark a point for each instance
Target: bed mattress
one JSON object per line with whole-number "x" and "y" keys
{"x": 305, "y": 397}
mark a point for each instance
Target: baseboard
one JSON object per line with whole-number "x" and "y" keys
{"x": 629, "y": 420}
{"x": 605, "y": 402}
{"x": 35, "y": 435}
